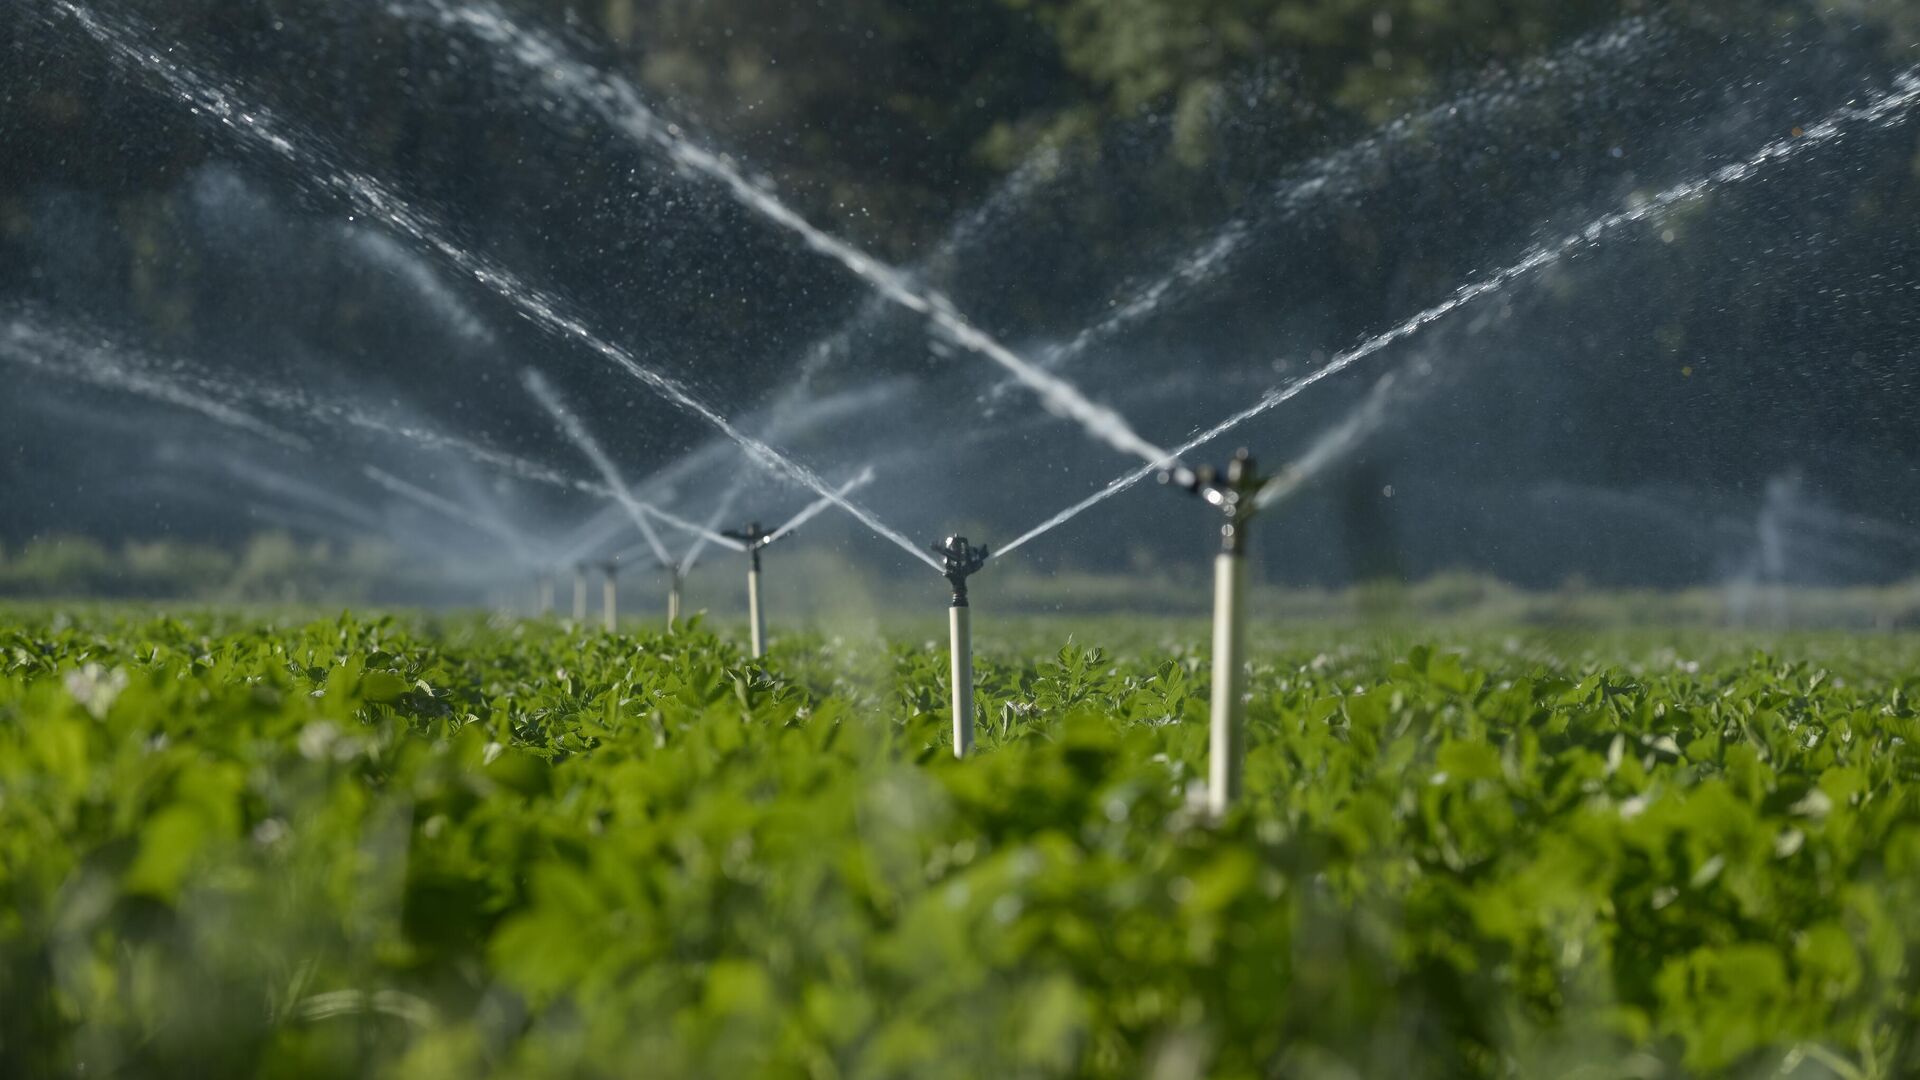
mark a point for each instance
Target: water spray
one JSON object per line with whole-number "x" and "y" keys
{"x": 127, "y": 44}
{"x": 1883, "y": 109}
{"x": 752, "y": 539}
{"x": 101, "y": 364}
{"x": 618, "y": 103}
{"x": 1234, "y": 495}
{"x": 453, "y": 511}
{"x": 960, "y": 561}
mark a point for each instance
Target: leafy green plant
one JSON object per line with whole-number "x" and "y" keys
{"x": 415, "y": 847}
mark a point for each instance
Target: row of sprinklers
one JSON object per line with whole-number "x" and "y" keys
{"x": 1238, "y": 493}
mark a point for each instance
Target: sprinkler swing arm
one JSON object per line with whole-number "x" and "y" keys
{"x": 1234, "y": 493}
{"x": 960, "y": 561}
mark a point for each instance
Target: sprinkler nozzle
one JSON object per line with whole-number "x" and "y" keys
{"x": 1232, "y": 492}
{"x": 754, "y": 537}
{"x": 960, "y": 560}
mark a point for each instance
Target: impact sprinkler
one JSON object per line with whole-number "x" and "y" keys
{"x": 1233, "y": 494}
{"x": 579, "y": 594}
{"x": 960, "y": 560}
{"x": 544, "y": 585}
{"x": 609, "y": 594}
{"x": 673, "y": 596}
{"x": 753, "y": 537}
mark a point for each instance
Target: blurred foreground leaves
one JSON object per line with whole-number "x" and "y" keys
{"x": 366, "y": 847}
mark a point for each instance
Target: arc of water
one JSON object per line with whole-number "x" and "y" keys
{"x": 353, "y": 416}
{"x": 817, "y": 506}
{"x": 274, "y": 482}
{"x": 616, "y": 485}
{"x": 1886, "y": 108}
{"x": 450, "y": 509}
{"x": 721, "y": 508}
{"x": 618, "y": 103}
{"x": 779, "y": 417}
{"x": 1334, "y": 444}
{"x": 549, "y": 399}
{"x": 693, "y": 528}
{"x": 715, "y": 456}
{"x": 806, "y": 514}
{"x": 370, "y": 197}
{"x": 1342, "y": 172}
{"x": 30, "y": 346}
{"x": 176, "y": 381}
{"x": 299, "y": 519}
{"x": 1853, "y": 524}
{"x": 1023, "y": 179}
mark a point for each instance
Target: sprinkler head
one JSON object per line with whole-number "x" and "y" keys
{"x": 1232, "y": 492}
{"x": 754, "y": 537}
{"x": 960, "y": 560}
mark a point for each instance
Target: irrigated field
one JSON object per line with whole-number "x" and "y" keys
{"x": 453, "y": 849}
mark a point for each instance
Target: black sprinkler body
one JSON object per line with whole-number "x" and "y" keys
{"x": 1232, "y": 492}
{"x": 754, "y": 537}
{"x": 960, "y": 561}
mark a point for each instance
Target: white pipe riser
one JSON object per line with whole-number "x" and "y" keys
{"x": 1227, "y": 733}
{"x": 960, "y": 627}
{"x": 754, "y": 613}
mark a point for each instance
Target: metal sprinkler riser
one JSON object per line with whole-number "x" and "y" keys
{"x": 1233, "y": 493}
{"x": 609, "y": 595}
{"x": 959, "y": 561}
{"x": 755, "y": 538}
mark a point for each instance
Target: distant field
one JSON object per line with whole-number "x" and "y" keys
{"x": 455, "y": 847}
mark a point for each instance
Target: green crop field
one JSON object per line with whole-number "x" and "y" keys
{"x": 421, "y": 848}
